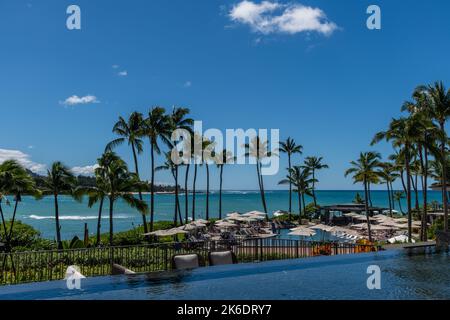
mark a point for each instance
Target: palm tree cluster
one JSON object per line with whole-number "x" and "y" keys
{"x": 302, "y": 177}
{"x": 420, "y": 144}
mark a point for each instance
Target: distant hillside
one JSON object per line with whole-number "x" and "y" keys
{"x": 86, "y": 181}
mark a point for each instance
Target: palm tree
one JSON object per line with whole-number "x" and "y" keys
{"x": 131, "y": 132}
{"x": 180, "y": 121}
{"x": 363, "y": 170}
{"x": 119, "y": 183}
{"x": 99, "y": 192}
{"x": 258, "y": 150}
{"x": 314, "y": 164}
{"x": 387, "y": 173}
{"x": 59, "y": 180}
{"x": 171, "y": 165}
{"x": 197, "y": 156}
{"x": 404, "y": 133}
{"x": 439, "y": 99}
{"x": 290, "y": 148}
{"x": 398, "y": 196}
{"x": 299, "y": 177}
{"x": 156, "y": 127}
{"x": 208, "y": 155}
{"x": 223, "y": 158}
{"x": 16, "y": 181}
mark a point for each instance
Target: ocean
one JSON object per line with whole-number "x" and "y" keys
{"x": 73, "y": 214}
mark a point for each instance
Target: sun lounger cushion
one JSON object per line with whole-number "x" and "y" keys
{"x": 186, "y": 261}
{"x": 118, "y": 269}
{"x": 221, "y": 257}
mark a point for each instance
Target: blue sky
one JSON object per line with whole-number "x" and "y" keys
{"x": 331, "y": 91}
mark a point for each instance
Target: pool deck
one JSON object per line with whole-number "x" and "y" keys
{"x": 410, "y": 245}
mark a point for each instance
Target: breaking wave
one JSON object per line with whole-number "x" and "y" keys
{"x": 36, "y": 217}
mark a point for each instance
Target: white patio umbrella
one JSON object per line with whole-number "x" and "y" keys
{"x": 165, "y": 233}
{"x": 259, "y": 213}
{"x": 322, "y": 227}
{"x": 304, "y": 232}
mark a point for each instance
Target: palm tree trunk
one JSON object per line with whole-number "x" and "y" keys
{"x": 366, "y": 208}
{"x": 16, "y": 202}
{"x": 370, "y": 194}
{"x": 175, "y": 215}
{"x": 186, "y": 193}
{"x": 136, "y": 168}
{"x": 400, "y": 206}
{"x": 220, "y": 191}
{"x": 58, "y": 228}
{"x": 408, "y": 193}
{"x": 3, "y": 218}
{"x": 193, "y": 192}
{"x": 389, "y": 197}
{"x": 425, "y": 195}
{"x": 299, "y": 207}
{"x": 111, "y": 210}
{"x": 415, "y": 183}
{"x": 314, "y": 187}
{"x": 290, "y": 186}
{"x": 152, "y": 186}
{"x": 304, "y": 204}
{"x": 263, "y": 194}
{"x": 403, "y": 182}
{"x": 99, "y": 221}
{"x": 444, "y": 177}
{"x": 392, "y": 196}
{"x": 207, "y": 191}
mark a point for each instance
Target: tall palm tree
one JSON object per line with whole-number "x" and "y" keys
{"x": 314, "y": 164}
{"x": 119, "y": 183}
{"x": 197, "y": 156}
{"x": 387, "y": 174}
{"x": 59, "y": 180}
{"x": 99, "y": 192}
{"x": 299, "y": 177}
{"x": 223, "y": 158}
{"x": 156, "y": 127}
{"x": 179, "y": 120}
{"x": 439, "y": 98}
{"x": 404, "y": 133}
{"x": 208, "y": 157}
{"x": 290, "y": 148}
{"x": 363, "y": 171}
{"x": 258, "y": 149}
{"x": 171, "y": 165}
{"x": 131, "y": 131}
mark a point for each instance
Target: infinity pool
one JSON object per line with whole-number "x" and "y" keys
{"x": 403, "y": 276}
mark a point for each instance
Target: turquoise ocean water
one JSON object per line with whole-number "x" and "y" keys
{"x": 73, "y": 214}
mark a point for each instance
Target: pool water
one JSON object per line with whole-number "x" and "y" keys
{"x": 403, "y": 276}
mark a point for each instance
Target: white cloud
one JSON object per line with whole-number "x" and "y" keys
{"x": 187, "y": 84}
{"x": 123, "y": 73}
{"x": 23, "y": 158}
{"x": 272, "y": 17}
{"x": 84, "y": 171}
{"x": 75, "y": 100}
{"x": 115, "y": 66}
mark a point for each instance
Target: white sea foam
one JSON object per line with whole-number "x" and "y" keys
{"x": 36, "y": 217}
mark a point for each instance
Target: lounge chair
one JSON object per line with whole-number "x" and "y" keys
{"x": 118, "y": 269}
{"x": 217, "y": 258}
{"x": 187, "y": 261}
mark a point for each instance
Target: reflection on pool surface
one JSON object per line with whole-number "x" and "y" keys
{"x": 403, "y": 276}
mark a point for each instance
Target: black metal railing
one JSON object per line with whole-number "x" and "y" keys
{"x": 32, "y": 266}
